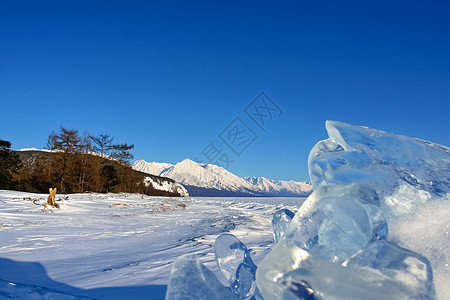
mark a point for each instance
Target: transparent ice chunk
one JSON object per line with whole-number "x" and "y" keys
{"x": 280, "y": 221}
{"x": 385, "y": 161}
{"x": 404, "y": 265}
{"x": 336, "y": 221}
{"x": 411, "y": 177}
{"x": 293, "y": 273}
{"x": 191, "y": 280}
{"x": 233, "y": 259}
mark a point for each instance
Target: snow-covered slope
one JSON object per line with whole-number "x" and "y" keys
{"x": 211, "y": 180}
{"x": 165, "y": 185}
{"x": 280, "y": 187}
{"x": 153, "y": 168}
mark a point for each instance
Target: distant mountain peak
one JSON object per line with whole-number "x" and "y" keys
{"x": 211, "y": 180}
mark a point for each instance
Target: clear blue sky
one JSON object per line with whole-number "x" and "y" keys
{"x": 170, "y": 77}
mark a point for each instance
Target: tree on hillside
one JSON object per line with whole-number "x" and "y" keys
{"x": 122, "y": 153}
{"x": 84, "y": 171}
{"x": 68, "y": 140}
{"x": 64, "y": 164}
{"x": 73, "y": 168}
{"x": 9, "y": 164}
{"x": 102, "y": 143}
{"x": 51, "y": 141}
{"x": 110, "y": 176}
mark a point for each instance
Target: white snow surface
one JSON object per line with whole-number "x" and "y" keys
{"x": 33, "y": 149}
{"x": 211, "y": 176}
{"x": 121, "y": 246}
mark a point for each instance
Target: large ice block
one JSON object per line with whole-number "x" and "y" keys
{"x": 412, "y": 269}
{"x": 411, "y": 177}
{"x": 233, "y": 259}
{"x": 336, "y": 221}
{"x": 191, "y": 280}
{"x": 289, "y": 272}
{"x": 384, "y": 160}
{"x": 280, "y": 222}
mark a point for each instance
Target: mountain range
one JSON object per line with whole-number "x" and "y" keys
{"x": 211, "y": 180}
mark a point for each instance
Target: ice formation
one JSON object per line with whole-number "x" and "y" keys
{"x": 375, "y": 227}
{"x": 404, "y": 171}
{"x": 396, "y": 262}
{"x": 281, "y": 219}
{"x": 338, "y": 247}
{"x": 233, "y": 259}
{"x": 337, "y": 221}
{"x": 293, "y": 273}
{"x": 190, "y": 279}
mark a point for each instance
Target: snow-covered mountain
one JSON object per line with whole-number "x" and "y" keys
{"x": 211, "y": 180}
{"x": 280, "y": 187}
{"x": 153, "y": 168}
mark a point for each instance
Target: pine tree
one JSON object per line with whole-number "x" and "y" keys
{"x": 110, "y": 176}
{"x": 9, "y": 164}
{"x": 67, "y": 140}
{"x": 122, "y": 153}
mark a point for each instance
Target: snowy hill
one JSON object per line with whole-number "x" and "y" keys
{"x": 157, "y": 185}
{"x": 211, "y": 180}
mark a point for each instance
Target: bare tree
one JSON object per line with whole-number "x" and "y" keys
{"x": 102, "y": 143}
{"x": 86, "y": 143}
{"x": 84, "y": 162}
{"x": 67, "y": 140}
{"x": 51, "y": 141}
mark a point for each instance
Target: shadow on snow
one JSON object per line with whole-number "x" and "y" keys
{"x": 33, "y": 275}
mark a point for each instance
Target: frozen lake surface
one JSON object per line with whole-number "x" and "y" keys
{"x": 118, "y": 246}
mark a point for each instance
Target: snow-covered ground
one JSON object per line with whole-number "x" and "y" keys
{"x": 121, "y": 246}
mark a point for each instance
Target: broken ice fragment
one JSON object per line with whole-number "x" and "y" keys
{"x": 296, "y": 290}
{"x": 404, "y": 265}
{"x": 191, "y": 280}
{"x": 385, "y": 161}
{"x": 280, "y": 221}
{"x": 336, "y": 221}
{"x": 289, "y": 272}
{"x": 236, "y": 265}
